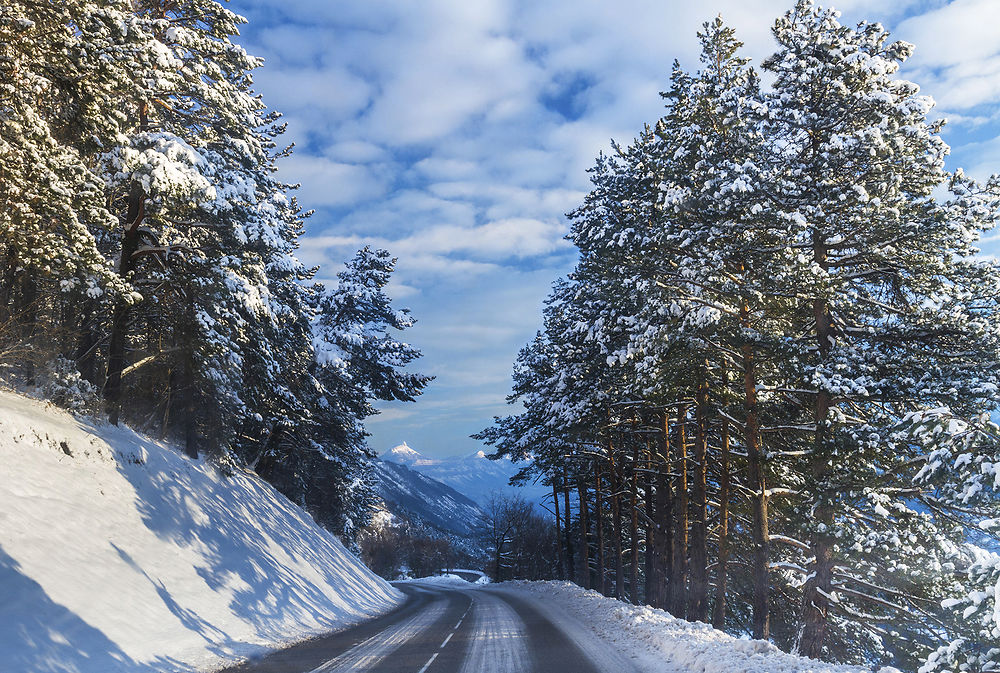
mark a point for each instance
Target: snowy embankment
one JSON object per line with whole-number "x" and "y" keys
{"x": 656, "y": 642}
{"x": 119, "y": 554}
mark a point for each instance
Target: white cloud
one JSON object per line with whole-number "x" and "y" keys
{"x": 356, "y": 152}
{"x": 960, "y": 32}
{"x": 983, "y": 157}
{"x": 390, "y": 415}
{"x": 958, "y": 52}
{"x": 398, "y": 290}
{"x": 456, "y": 134}
{"x": 325, "y": 182}
{"x": 318, "y": 94}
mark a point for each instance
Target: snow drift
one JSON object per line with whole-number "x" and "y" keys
{"x": 119, "y": 554}
{"x": 657, "y": 642}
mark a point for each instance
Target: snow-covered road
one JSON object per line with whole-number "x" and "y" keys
{"x": 451, "y": 629}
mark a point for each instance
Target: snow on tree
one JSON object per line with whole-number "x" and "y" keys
{"x": 145, "y": 233}
{"x": 777, "y": 269}
{"x": 887, "y": 300}
{"x": 50, "y": 202}
{"x": 318, "y": 454}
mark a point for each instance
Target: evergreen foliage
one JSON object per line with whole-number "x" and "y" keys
{"x": 148, "y": 250}
{"x": 769, "y": 380}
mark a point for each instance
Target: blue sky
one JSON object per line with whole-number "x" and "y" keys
{"x": 457, "y": 133}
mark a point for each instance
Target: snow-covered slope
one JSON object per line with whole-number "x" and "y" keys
{"x": 421, "y": 498}
{"x": 474, "y": 475}
{"x": 119, "y": 554}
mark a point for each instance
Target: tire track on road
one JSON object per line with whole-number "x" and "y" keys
{"x": 499, "y": 642}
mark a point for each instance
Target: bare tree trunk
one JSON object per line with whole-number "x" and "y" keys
{"x": 755, "y": 458}
{"x": 678, "y": 581}
{"x": 498, "y": 563}
{"x": 698, "y": 597}
{"x": 719, "y": 610}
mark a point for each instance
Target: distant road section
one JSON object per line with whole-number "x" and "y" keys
{"x": 449, "y": 629}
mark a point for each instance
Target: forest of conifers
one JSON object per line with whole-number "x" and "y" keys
{"x": 764, "y": 398}
{"x": 148, "y": 265}
{"x": 764, "y": 395}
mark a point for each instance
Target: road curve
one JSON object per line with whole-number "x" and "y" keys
{"x": 445, "y": 629}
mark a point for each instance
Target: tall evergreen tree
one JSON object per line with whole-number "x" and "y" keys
{"x": 51, "y": 205}
{"x": 885, "y": 294}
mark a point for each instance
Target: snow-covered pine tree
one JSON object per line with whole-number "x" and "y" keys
{"x": 145, "y": 231}
{"x": 182, "y": 164}
{"x": 358, "y": 360}
{"x": 889, "y": 302}
{"x": 958, "y": 481}
{"x": 715, "y": 284}
{"x": 50, "y": 202}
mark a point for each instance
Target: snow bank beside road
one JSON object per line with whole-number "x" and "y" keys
{"x": 659, "y": 643}
{"x": 119, "y": 554}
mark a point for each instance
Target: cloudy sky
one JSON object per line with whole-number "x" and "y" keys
{"x": 457, "y": 133}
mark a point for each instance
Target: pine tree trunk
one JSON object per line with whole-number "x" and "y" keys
{"x": 122, "y": 313}
{"x": 559, "y": 547}
{"x": 602, "y": 584}
{"x": 634, "y": 525}
{"x": 7, "y": 291}
{"x": 27, "y": 318}
{"x": 190, "y": 419}
{"x": 585, "y": 580}
{"x": 719, "y": 609}
{"x": 755, "y": 458}
{"x": 679, "y": 579}
{"x": 663, "y": 510}
{"x": 698, "y": 598}
{"x": 649, "y": 564}
{"x": 568, "y": 530}
{"x": 85, "y": 356}
{"x": 818, "y": 586}
{"x": 168, "y": 401}
{"x": 616, "y": 522}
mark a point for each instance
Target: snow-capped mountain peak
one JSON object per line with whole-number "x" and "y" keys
{"x": 473, "y": 475}
{"x": 405, "y": 455}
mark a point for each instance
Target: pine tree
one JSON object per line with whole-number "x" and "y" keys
{"x": 358, "y": 361}
{"x": 774, "y": 270}
{"x": 710, "y": 152}
{"x": 50, "y": 202}
{"x": 885, "y": 293}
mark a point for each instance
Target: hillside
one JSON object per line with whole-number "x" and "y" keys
{"x": 421, "y": 498}
{"x": 119, "y": 554}
{"x": 473, "y": 475}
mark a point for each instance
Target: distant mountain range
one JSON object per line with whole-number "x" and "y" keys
{"x": 475, "y": 475}
{"x": 424, "y": 500}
